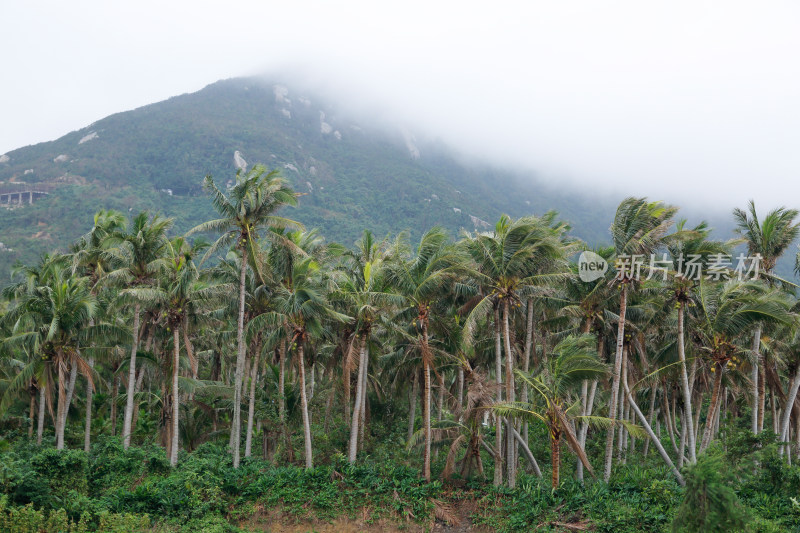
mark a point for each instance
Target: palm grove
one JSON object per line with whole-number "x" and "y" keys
{"x": 253, "y": 330}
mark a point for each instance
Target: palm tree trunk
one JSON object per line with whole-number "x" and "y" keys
{"x": 251, "y": 407}
{"x": 528, "y": 453}
{"x": 304, "y": 404}
{"x": 762, "y": 397}
{"x": 712, "y": 408}
{"x": 282, "y": 392}
{"x": 176, "y": 401}
{"x": 687, "y": 395}
{"x": 649, "y": 430}
{"x": 787, "y": 410}
{"x": 62, "y": 406}
{"x": 114, "y": 394}
{"x": 40, "y": 421}
{"x": 346, "y": 376}
{"x": 236, "y": 424}
{"x": 460, "y": 387}
{"x": 612, "y": 412}
{"x": 510, "y": 397}
{"x": 754, "y": 376}
{"x": 31, "y": 412}
{"x": 498, "y": 363}
{"x": 426, "y": 401}
{"x": 650, "y": 414}
{"x": 353, "y": 449}
{"x": 684, "y": 435}
{"x": 126, "y": 424}
{"x": 526, "y": 362}
{"x": 412, "y": 409}
{"x": 555, "y": 456}
{"x": 363, "y": 414}
{"x": 584, "y": 430}
{"x": 87, "y": 431}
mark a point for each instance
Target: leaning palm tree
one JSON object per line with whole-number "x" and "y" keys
{"x": 639, "y": 228}
{"x": 246, "y": 211}
{"x": 135, "y": 256}
{"x": 769, "y": 239}
{"x": 556, "y": 401}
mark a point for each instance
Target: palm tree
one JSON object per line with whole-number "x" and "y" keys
{"x": 180, "y": 290}
{"x": 136, "y": 258}
{"x": 638, "y": 229}
{"x": 421, "y": 280}
{"x": 249, "y": 208}
{"x": 520, "y": 255}
{"x": 53, "y": 321}
{"x": 303, "y": 307}
{"x": 768, "y": 238}
{"x": 727, "y": 311}
{"x": 89, "y": 254}
{"x": 556, "y": 400}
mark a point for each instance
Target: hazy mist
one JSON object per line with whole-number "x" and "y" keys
{"x": 691, "y": 102}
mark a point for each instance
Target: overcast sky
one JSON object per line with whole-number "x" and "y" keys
{"x": 687, "y": 101}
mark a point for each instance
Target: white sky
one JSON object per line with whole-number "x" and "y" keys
{"x": 695, "y": 102}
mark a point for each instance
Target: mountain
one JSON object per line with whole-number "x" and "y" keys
{"x": 353, "y": 174}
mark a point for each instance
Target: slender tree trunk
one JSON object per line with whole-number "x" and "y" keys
{"x": 687, "y": 395}
{"x": 353, "y": 449}
{"x": 670, "y": 425}
{"x": 282, "y": 392}
{"x": 498, "y": 361}
{"x": 650, "y": 414}
{"x": 251, "y": 408}
{"x": 40, "y": 421}
{"x": 426, "y": 400}
{"x": 621, "y": 412}
{"x": 787, "y": 409}
{"x": 612, "y": 413}
{"x": 62, "y": 406}
{"x": 762, "y": 397}
{"x": 176, "y": 400}
{"x": 712, "y": 407}
{"x": 528, "y": 453}
{"x": 510, "y": 396}
{"x": 129, "y": 403}
{"x": 114, "y": 395}
{"x": 236, "y": 424}
{"x": 555, "y": 456}
{"x": 412, "y": 409}
{"x": 31, "y": 412}
{"x": 363, "y": 414}
{"x": 754, "y": 375}
{"x": 684, "y": 435}
{"x": 87, "y": 431}
{"x": 304, "y": 404}
{"x": 649, "y": 430}
{"x": 346, "y": 377}
{"x": 526, "y": 362}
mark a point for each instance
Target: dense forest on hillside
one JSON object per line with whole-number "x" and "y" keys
{"x": 250, "y": 374}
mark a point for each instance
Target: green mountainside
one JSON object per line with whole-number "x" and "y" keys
{"x": 353, "y": 176}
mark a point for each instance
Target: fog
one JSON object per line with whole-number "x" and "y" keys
{"x": 692, "y": 102}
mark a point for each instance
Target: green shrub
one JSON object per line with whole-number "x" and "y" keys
{"x": 709, "y": 503}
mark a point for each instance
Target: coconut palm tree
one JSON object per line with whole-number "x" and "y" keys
{"x": 302, "y": 307}
{"x": 52, "y": 320}
{"x": 89, "y": 254}
{"x": 421, "y": 280}
{"x": 556, "y": 401}
{"x": 727, "y": 311}
{"x": 638, "y": 230}
{"x": 247, "y": 210}
{"x": 135, "y": 257}
{"x": 521, "y": 255}
{"x": 769, "y": 239}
